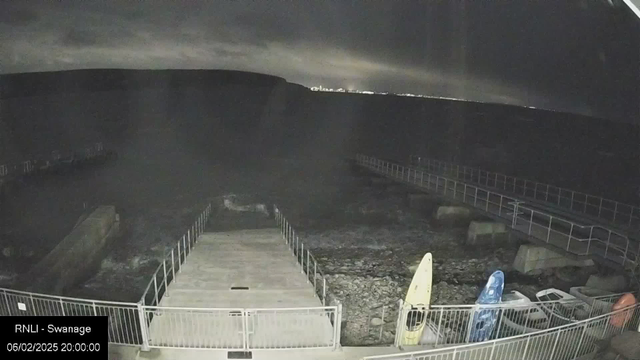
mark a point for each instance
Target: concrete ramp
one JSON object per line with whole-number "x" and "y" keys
{"x": 241, "y": 289}
{"x": 75, "y": 255}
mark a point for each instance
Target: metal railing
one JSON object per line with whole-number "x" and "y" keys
{"x": 124, "y": 318}
{"x": 173, "y": 261}
{"x": 308, "y": 263}
{"x": 568, "y": 236}
{"x": 566, "y": 342}
{"x": 240, "y": 328}
{"x": 309, "y": 267}
{"x": 243, "y": 329}
{"x": 452, "y": 324}
{"x": 41, "y": 162}
{"x": 611, "y": 211}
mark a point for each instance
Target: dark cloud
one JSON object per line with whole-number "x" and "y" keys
{"x": 574, "y": 55}
{"x": 80, "y": 38}
{"x": 17, "y": 16}
{"x": 83, "y": 38}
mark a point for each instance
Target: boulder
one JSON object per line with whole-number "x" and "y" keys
{"x": 613, "y": 283}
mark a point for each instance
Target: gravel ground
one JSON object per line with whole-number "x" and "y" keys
{"x": 368, "y": 247}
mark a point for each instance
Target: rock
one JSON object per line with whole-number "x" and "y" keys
{"x": 614, "y": 283}
{"x": 8, "y": 251}
{"x": 485, "y": 232}
{"x": 452, "y": 212}
{"x": 376, "y": 322}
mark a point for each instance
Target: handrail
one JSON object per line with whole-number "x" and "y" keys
{"x": 549, "y": 228}
{"x": 174, "y": 260}
{"x": 439, "y": 352}
{"x": 29, "y": 165}
{"x": 298, "y": 250}
{"x": 613, "y": 211}
{"x": 56, "y": 297}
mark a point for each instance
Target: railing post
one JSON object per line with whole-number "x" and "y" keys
{"x": 324, "y": 291}
{"x": 144, "y": 330}
{"x": 384, "y": 308}
{"x": 179, "y": 258}
{"x": 549, "y": 231}
{"x": 184, "y": 249}
{"x": 307, "y": 265}
{"x": 301, "y": 255}
{"x": 33, "y": 305}
{"x": 6, "y": 300}
{"x": 584, "y": 330}
{"x": 95, "y": 311}
{"x": 475, "y": 198}
{"x": 399, "y": 325}
{"x": 500, "y": 208}
{"x": 173, "y": 265}
{"x": 155, "y": 287}
{"x": 526, "y": 347}
{"x": 546, "y": 196}
{"x": 439, "y": 329}
{"x": 555, "y": 346}
{"x": 493, "y": 350}
{"x": 315, "y": 275}
{"x": 62, "y": 307}
{"x": 464, "y": 194}
{"x": 337, "y": 326}
{"x": 615, "y": 211}
{"x": 164, "y": 268}
{"x": 600, "y": 208}
{"x": 530, "y": 222}
{"x": 570, "y": 235}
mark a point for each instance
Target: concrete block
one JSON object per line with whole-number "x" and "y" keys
{"x": 483, "y": 232}
{"x": 614, "y": 283}
{"x": 452, "y": 212}
{"x": 531, "y": 257}
{"x": 75, "y": 254}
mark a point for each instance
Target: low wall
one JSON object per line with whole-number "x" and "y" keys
{"x": 484, "y": 232}
{"x": 531, "y": 258}
{"x": 75, "y": 255}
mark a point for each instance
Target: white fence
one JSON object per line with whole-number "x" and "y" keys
{"x": 452, "y": 324}
{"x": 308, "y": 263}
{"x": 149, "y": 325}
{"x": 574, "y": 238}
{"x": 243, "y": 329}
{"x": 124, "y": 318}
{"x": 239, "y": 328}
{"x": 43, "y": 162}
{"x": 611, "y": 211}
{"x": 173, "y": 261}
{"x": 566, "y": 342}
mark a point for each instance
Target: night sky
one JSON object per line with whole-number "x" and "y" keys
{"x": 580, "y": 56}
